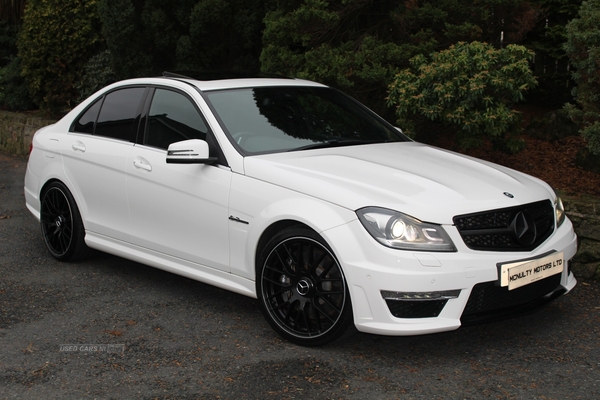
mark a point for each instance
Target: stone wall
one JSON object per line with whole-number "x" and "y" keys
{"x": 17, "y": 129}
{"x": 584, "y": 212}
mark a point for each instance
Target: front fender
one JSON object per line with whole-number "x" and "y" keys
{"x": 255, "y": 206}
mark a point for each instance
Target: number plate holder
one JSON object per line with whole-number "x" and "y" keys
{"x": 520, "y": 273}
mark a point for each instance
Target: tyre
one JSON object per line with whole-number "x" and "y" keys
{"x": 301, "y": 288}
{"x": 62, "y": 227}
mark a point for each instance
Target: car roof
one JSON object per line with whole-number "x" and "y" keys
{"x": 219, "y": 84}
{"x": 214, "y": 80}
{"x": 246, "y": 83}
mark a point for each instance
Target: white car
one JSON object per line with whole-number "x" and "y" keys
{"x": 291, "y": 192}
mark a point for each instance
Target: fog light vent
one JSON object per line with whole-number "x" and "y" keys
{"x": 420, "y": 296}
{"x": 417, "y": 304}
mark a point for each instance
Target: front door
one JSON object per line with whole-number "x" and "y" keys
{"x": 177, "y": 209}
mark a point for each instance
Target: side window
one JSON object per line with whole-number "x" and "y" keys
{"x": 85, "y": 122}
{"x": 173, "y": 118}
{"x": 119, "y": 112}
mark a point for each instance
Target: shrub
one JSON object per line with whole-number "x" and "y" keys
{"x": 226, "y": 34}
{"x": 56, "y": 39}
{"x": 471, "y": 86}
{"x": 97, "y": 73}
{"x": 583, "y": 49}
{"x": 13, "y": 89}
{"x": 8, "y": 42}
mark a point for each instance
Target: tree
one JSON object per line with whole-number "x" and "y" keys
{"x": 224, "y": 34}
{"x": 128, "y": 45}
{"x": 547, "y": 39}
{"x": 471, "y": 86}
{"x": 13, "y": 89}
{"x": 56, "y": 39}
{"x": 358, "y": 45}
{"x": 11, "y": 11}
{"x": 583, "y": 49}
{"x": 150, "y": 36}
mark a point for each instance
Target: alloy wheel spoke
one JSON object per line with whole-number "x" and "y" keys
{"x": 300, "y": 310}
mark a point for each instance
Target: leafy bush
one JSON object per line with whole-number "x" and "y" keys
{"x": 125, "y": 38}
{"x": 583, "y": 49}
{"x": 358, "y": 46}
{"x": 471, "y": 86}
{"x": 350, "y": 44}
{"x": 8, "y": 42}
{"x": 13, "y": 89}
{"x": 148, "y": 37}
{"x": 56, "y": 39}
{"x": 97, "y": 73}
{"x": 226, "y": 34}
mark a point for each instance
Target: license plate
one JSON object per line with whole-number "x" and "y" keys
{"x": 521, "y": 273}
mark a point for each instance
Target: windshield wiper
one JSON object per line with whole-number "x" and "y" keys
{"x": 336, "y": 143}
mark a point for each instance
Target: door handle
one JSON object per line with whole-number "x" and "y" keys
{"x": 78, "y": 146}
{"x": 141, "y": 163}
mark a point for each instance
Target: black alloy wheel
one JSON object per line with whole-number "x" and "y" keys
{"x": 302, "y": 289}
{"x": 61, "y": 224}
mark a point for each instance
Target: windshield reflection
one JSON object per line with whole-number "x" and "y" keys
{"x": 273, "y": 119}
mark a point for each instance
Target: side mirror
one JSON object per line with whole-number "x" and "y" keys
{"x": 193, "y": 151}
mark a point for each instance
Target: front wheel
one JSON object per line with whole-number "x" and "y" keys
{"x": 62, "y": 227}
{"x": 301, "y": 288}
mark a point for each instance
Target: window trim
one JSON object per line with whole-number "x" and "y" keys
{"x": 143, "y": 125}
{"x": 102, "y": 99}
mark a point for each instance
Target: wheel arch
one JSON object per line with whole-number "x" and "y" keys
{"x": 320, "y": 293}
{"x": 73, "y": 193}
{"x": 268, "y": 233}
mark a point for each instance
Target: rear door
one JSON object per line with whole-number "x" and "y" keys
{"x": 95, "y": 155}
{"x": 177, "y": 209}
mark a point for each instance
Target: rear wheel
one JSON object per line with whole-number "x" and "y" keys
{"x": 301, "y": 288}
{"x": 62, "y": 227}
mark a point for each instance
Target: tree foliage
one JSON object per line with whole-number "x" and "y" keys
{"x": 146, "y": 37}
{"x": 8, "y": 42}
{"x": 225, "y": 34}
{"x": 355, "y": 45}
{"x": 56, "y": 39}
{"x": 11, "y": 11}
{"x": 471, "y": 86}
{"x": 125, "y": 38}
{"x": 358, "y": 45}
{"x": 583, "y": 49}
{"x": 13, "y": 90}
{"x": 547, "y": 40}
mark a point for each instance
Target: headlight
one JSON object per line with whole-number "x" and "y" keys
{"x": 399, "y": 231}
{"x": 560, "y": 211}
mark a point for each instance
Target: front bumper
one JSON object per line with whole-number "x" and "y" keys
{"x": 466, "y": 280}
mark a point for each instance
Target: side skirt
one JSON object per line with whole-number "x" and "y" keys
{"x": 201, "y": 273}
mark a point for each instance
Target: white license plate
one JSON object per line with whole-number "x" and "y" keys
{"x": 517, "y": 274}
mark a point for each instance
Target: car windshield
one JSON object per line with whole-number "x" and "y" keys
{"x": 287, "y": 118}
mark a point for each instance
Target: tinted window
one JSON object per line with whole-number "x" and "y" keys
{"x": 119, "y": 112}
{"x": 173, "y": 118}
{"x": 85, "y": 123}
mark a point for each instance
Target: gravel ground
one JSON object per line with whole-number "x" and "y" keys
{"x": 138, "y": 332}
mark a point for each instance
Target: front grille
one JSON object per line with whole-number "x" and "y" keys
{"x": 416, "y": 308}
{"x": 490, "y": 301}
{"x": 521, "y": 228}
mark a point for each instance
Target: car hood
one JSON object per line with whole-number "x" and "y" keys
{"x": 425, "y": 182}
